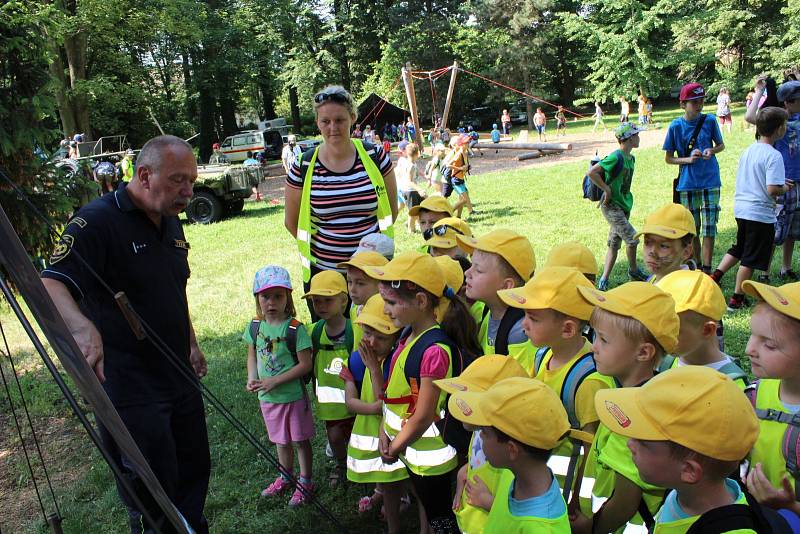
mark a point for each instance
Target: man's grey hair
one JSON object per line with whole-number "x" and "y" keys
{"x": 151, "y": 153}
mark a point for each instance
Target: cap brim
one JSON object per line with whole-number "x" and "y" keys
{"x": 773, "y": 296}
{"x": 619, "y": 410}
{"x": 468, "y": 244}
{"x": 600, "y": 299}
{"x": 516, "y": 299}
{"x": 261, "y": 289}
{"x": 457, "y": 385}
{"x": 442, "y": 242}
{"x": 465, "y": 406}
{"x": 661, "y": 231}
{"x": 378, "y": 323}
{"x": 323, "y": 293}
{"x": 351, "y": 263}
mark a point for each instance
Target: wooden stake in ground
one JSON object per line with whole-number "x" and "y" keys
{"x": 558, "y": 147}
{"x": 450, "y": 90}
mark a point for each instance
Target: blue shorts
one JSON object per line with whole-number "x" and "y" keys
{"x": 540, "y": 129}
{"x": 460, "y": 188}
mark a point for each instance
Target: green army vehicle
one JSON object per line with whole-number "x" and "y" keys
{"x": 220, "y": 191}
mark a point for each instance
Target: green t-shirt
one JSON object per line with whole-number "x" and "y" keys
{"x": 621, "y": 185}
{"x": 278, "y": 360}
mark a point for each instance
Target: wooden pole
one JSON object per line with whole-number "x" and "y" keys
{"x": 530, "y": 155}
{"x": 556, "y": 147}
{"x": 412, "y": 105}
{"x": 450, "y": 90}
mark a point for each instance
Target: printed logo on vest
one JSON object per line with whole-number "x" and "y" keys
{"x": 617, "y": 413}
{"x": 335, "y": 367}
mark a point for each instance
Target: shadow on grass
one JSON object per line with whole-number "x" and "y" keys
{"x": 490, "y": 211}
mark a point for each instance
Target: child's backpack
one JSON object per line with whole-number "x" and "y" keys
{"x": 290, "y": 340}
{"x": 730, "y": 369}
{"x": 576, "y": 374}
{"x": 511, "y": 317}
{"x": 316, "y": 336}
{"x": 737, "y": 517}
{"x": 791, "y": 437}
{"x": 451, "y": 429}
{"x": 590, "y": 190}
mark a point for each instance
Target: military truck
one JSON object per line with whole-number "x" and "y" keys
{"x": 220, "y": 191}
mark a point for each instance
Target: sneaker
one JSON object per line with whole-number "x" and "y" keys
{"x": 602, "y": 284}
{"x": 298, "y": 499}
{"x": 328, "y": 450}
{"x": 736, "y": 303}
{"x": 789, "y": 274}
{"x": 637, "y": 275}
{"x": 763, "y": 278}
{"x": 276, "y": 488}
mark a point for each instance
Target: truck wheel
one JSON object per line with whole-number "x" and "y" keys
{"x": 204, "y": 208}
{"x": 235, "y": 206}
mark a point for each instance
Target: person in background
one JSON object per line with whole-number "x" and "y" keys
{"x": 598, "y": 117}
{"x": 624, "y": 109}
{"x": 357, "y": 133}
{"x": 495, "y": 136}
{"x": 291, "y": 152}
{"x": 127, "y": 166}
{"x": 724, "y": 109}
{"x": 505, "y": 119}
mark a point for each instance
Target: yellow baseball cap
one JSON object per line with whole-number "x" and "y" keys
{"x": 575, "y": 255}
{"x": 444, "y": 232}
{"x": 421, "y": 269}
{"x": 367, "y": 258}
{"x": 672, "y": 221}
{"x": 694, "y": 291}
{"x": 482, "y": 373}
{"x": 785, "y": 299}
{"x": 506, "y": 406}
{"x": 372, "y": 314}
{"x": 452, "y": 271}
{"x": 327, "y": 284}
{"x": 552, "y": 288}
{"x": 644, "y": 302}
{"x": 691, "y": 405}
{"x": 434, "y": 203}
{"x": 509, "y": 245}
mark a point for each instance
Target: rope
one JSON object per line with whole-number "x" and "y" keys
{"x": 19, "y": 428}
{"x": 166, "y": 351}
{"x": 504, "y": 86}
{"x": 433, "y": 99}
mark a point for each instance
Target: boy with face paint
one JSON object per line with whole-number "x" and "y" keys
{"x": 668, "y": 234}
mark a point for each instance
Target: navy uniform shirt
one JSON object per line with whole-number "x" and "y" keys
{"x": 128, "y": 252}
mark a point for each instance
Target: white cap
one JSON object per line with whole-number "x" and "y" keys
{"x": 382, "y": 244}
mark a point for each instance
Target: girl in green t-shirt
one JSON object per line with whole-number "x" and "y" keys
{"x": 278, "y": 357}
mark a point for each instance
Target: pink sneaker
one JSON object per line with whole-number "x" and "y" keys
{"x": 276, "y": 488}
{"x": 298, "y": 499}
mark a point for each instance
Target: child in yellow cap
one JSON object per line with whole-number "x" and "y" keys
{"x": 477, "y": 473}
{"x": 575, "y": 255}
{"x": 412, "y": 284}
{"x": 360, "y": 287}
{"x": 774, "y": 354}
{"x": 555, "y": 316}
{"x": 431, "y": 210}
{"x": 700, "y": 304}
{"x": 332, "y": 339}
{"x": 635, "y": 326}
{"x": 441, "y": 238}
{"x": 518, "y": 437}
{"x": 364, "y": 377}
{"x": 501, "y": 259}
{"x": 669, "y": 233}
{"x": 688, "y": 429}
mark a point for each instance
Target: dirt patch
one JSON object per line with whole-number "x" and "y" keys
{"x": 66, "y": 455}
{"x": 584, "y": 146}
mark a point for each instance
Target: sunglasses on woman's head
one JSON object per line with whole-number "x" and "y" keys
{"x": 440, "y": 231}
{"x": 341, "y": 98}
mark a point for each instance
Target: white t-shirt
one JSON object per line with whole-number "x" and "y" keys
{"x": 402, "y": 172}
{"x": 760, "y": 165}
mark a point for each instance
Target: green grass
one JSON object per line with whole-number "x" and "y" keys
{"x": 544, "y": 204}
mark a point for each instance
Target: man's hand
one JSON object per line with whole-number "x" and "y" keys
{"x": 198, "y": 361}
{"x": 765, "y": 493}
{"x": 89, "y": 341}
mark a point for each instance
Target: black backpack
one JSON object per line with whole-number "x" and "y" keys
{"x": 290, "y": 340}
{"x": 590, "y": 190}
{"x": 510, "y": 318}
{"x": 451, "y": 429}
{"x": 752, "y": 515}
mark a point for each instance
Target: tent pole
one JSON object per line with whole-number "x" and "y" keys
{"x": 408, "y": 82}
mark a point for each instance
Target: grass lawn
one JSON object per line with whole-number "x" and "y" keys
{"x": 544, "y": 204}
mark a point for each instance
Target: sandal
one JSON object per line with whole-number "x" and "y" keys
{"x": 367, "y": 502}
{"x": 336, "y": 476}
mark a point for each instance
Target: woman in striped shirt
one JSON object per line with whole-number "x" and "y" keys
{"x": 351, "y": 192}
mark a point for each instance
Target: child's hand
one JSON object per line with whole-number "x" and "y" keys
{"x": 761, "y": 82}
{"x": 251, "y": 385}
{"x": 579, "y": 523}
{"x": 265, "y": 384}
{"x": 707, "y": 153}
{"x": 765, "y": 493}
{"x": 384, "y": 444}
{"x": 368, "y": 356}
{"x": 461, "y": 480}
{"x": 478, "y": 494}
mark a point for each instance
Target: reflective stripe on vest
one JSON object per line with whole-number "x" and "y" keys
{"x": 364, "y": 463}
{"x": 329, "y": 395}
{"x": 429, "y": 455}
{"x": 304, "y": 230}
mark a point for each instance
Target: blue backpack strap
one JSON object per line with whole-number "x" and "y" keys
{"x": 349, "y": 338}
{"x": 511, "y": 317}
{"x": 619, "y": 165}
{"x": 666, "y": 363}
{"x": 538, "y": 358}
{"x": 357, "y": 368}
{"x": 431, "y": 337}
{"x": 255, "y": 325}
{"x": 577, "y": 373}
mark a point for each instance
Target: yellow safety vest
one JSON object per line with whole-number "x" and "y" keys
{"x": 364, "y": 463}
{"x": 682, "y": 525}
{"x": 472, "y": 519}
{"x": 304, "y": 226}
{"x": 328, "y": 386}
{"x": 502, "y": 522}
{"x": 429, "y": 455}
{"x": 769, "y": 450}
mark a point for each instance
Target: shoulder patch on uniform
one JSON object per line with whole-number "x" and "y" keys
{"x": 63, "y": 247}
{"x": 180, "y": 243}
{"x": 80, "y": 221}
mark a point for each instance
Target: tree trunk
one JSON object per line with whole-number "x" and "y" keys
{"x": 297, "y": 125}
{"x": 190, "y": 104}
{"x": 267, "y": 99}
{"x": 59, "y": 80}
{"x": 340, "y": 50}
{"x": 75, "y": 46}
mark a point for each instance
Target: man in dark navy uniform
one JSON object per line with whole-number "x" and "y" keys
{"x": 132, "y": 239}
